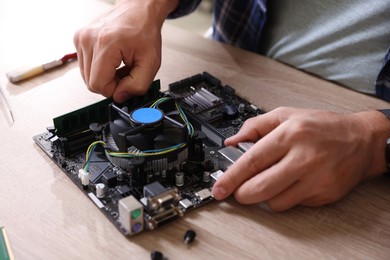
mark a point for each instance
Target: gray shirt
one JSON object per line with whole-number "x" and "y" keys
{"x": 342, "y": 41}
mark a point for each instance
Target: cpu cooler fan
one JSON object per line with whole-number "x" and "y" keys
{"x": 157, "y": 133}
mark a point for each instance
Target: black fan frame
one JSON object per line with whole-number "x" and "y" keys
{"x": 120, "y": 137}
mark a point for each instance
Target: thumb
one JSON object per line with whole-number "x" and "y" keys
{"x": 133, "y": 82}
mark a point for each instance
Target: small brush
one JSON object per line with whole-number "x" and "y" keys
{"x": 25, "y": 73}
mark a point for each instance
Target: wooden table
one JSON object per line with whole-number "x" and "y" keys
{"x": 47, "y": 217}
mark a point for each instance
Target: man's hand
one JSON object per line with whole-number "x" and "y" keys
{"x": 130, "y": 33}
{"x": 304, "y": 157}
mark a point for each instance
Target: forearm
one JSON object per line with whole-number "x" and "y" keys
{"x": 161, "y": 8}
{"x": 377, "y": 127}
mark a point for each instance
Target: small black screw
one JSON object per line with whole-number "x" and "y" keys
{"x": 156, "y": 255}
{"x": 189, "y": 236}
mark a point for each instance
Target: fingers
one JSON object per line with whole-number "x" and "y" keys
{"x": 80, "y": 53}
{"x": 250, "y": 131}
{"x": 305, "y": 157}
{"x": 102, "y": 71}
{"x": 262, "y": 155}
{"x": 130, "y": 33}
{"x": 139, "y": 79}
{"x": 83, "y": 40}
{"x": 257, "y": 127}
{"x": 135, "y": 84}
{"x": 307, "y": 191}
{"x": 99, "y": 71}
{"x": 289, "y": 197}
{"x": 271, "y": 181}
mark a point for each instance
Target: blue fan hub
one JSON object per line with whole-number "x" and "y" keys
{"x": 147, "y": 115}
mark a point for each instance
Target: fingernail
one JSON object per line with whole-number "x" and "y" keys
{"x": 265, "y": 206}
{"x": 219, "y": 193}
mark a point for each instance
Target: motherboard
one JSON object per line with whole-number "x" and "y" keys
{"x": 153, "y": 158}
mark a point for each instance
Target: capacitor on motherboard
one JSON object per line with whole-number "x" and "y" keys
{"x": 163, "y": 174}
{"x": 213, "y": 161}
{"x": 241, "y": 108}
{"x": 206, "y": 176}
{"x": 100, "y": 190}
{"x": 179, "y": 179}
{"x": 119, "y": 174}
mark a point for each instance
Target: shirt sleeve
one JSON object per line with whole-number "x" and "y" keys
{"x": 382, "y": 84}
{"x": 185, "y": 7}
